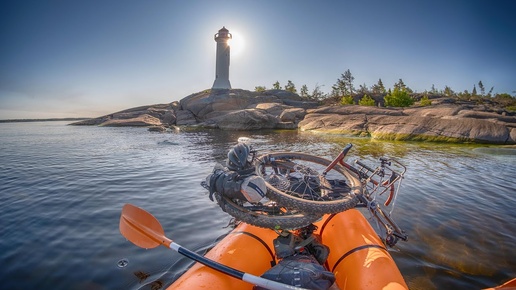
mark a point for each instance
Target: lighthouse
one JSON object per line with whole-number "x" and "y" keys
{"x": 222, "y": 64}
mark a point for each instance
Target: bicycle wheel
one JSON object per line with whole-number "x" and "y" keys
{"x": 266, "y": 216}
{"x": 296, "y": 180}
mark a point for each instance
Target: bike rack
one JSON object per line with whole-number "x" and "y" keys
{"x": 376, "y": 182}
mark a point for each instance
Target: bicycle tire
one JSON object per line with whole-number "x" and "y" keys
{"x": 286, "y": 220}
{"x": 267, "y": 165}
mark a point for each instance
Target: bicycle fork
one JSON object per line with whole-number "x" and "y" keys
{"x": 392, "y": 231}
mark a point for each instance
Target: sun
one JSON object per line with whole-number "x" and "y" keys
{"x": 237, "y": 44}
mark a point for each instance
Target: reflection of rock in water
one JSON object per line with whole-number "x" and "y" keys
{"x": 141, "y": 275}
{"x": 457, "y": 253}
{"x": 167, "y": 142}
{"x": 151, "y": 284}
{"x": 156, "y": 285}
{"x": 497, "y": 151}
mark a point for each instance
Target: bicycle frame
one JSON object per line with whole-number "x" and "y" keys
{"x": 375, "y": 182}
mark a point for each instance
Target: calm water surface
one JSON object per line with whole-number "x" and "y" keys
{"x": 62, "y": 189}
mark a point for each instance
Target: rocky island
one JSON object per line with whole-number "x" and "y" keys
{"x": 445, "y": 120}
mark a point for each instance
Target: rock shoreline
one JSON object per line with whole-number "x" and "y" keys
{"x": 446, "y": 120}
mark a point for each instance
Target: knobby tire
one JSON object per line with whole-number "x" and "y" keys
{"x": 286, "y": 220}
{"x": 285, "y": 163}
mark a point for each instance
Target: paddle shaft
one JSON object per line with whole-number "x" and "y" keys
{"x": 250, "y": 278}
{"x": 145, "y": 231}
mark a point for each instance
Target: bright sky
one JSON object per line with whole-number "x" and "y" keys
{"x": 93, "y": 57}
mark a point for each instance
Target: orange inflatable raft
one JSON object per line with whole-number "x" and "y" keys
{"x": 358, "y": 258}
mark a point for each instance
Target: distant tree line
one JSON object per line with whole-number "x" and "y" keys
{"x": 344, "y": 92}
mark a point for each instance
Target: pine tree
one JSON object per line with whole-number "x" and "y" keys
{"x": 317, "y": 94}
{"x": 433, "y": 90}
{"x": 304, "y": 91}
{"x": 344, "y": 85}
{"x": 400, "y": 85}
{"x": 378, "y": 88}
{"x": 348, "y": 79}
{"x": 362, "y": 89}
{"x": 482, "y": 88}
{"x": 490, "y": 91}
{"x": 448, "y": 91}
{"x": 290, "y": 87}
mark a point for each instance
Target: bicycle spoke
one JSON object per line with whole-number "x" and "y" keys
{"x": 304, "y": 182}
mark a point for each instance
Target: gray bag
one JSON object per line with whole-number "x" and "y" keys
{"x": 301, "y": 271}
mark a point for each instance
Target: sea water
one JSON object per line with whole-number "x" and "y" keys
{"x": 62, "y": 189}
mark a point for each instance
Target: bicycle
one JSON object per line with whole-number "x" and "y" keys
{"x": 302, "y": 188}
{"x": 320, "y": 186}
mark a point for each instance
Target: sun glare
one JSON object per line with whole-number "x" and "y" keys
{"x": 237, "y": 44}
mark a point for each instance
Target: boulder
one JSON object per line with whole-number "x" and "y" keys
{"x": 438, "y": 111}
{"x": 353, "y": 110}
{"x": 164, "y": 112}
{"x": 185, "y": 118}
{"x": 242, "y": 110}
{"x": 142, "y": 120}
{"x": 486, "y": 115}
{"x": 445, "y": 122}
{"x": 512, "y": 136}
{"x": 286, "y": 125}
{"x": 446, "y": 119}
{"x": 247, "y": 119}
{"x": 292, "y": 115}
{"x": 169, "y": 118}
{"x": 436, "y": 129}
{"x": 203, "y": 103}
{"x": 274, "y": 109}
{"x": 352, "y": 124}
{"x": 160, "y": 129}
{"x": 91, "y": 122}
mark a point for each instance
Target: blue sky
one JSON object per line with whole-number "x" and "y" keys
{"x": 89, "y": 58}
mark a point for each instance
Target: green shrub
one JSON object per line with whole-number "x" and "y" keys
{"x": 347, "y": 100}
{"x": 259, "y": 89}
{"x": 398, "y": 98}
{"x": 425, "y": 101}
{"x": 505, "y": 100}
{"x": 366, "y": 101}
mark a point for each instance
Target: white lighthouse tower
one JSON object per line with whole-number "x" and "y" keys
{"x": 222, "y": 64}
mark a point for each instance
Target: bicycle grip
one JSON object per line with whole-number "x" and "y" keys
{"x": 346, "y": 149}
{"x": 364, "y": 166}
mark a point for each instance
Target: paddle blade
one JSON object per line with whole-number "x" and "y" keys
{"x": 142, "y": 228}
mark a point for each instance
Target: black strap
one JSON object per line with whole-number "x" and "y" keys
{"x": 273, "y": 260}
{"x": 246, "y": 172}
{"x": 213, "y": 180}
{"x": 325, "y": 223}
{"x": 356, "y": 250}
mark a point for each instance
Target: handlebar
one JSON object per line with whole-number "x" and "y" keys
{"x": 364, "y": 166}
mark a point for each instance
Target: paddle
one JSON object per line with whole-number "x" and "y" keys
{"x": 145, "y": 231}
